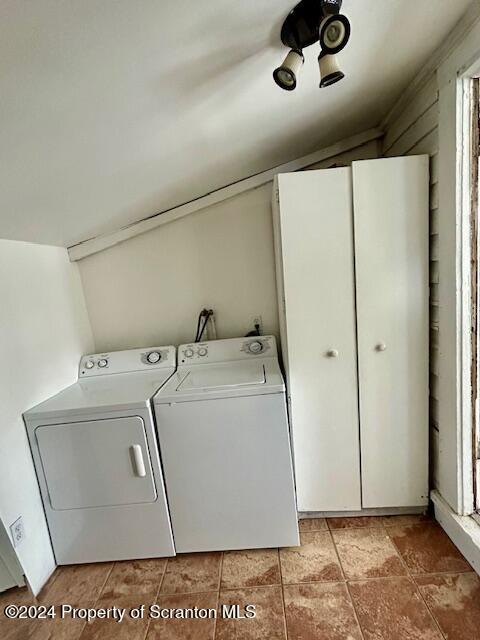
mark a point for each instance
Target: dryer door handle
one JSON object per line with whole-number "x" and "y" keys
{"x": 137, "y": 460}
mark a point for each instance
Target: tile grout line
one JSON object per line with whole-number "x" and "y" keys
{"x": 442, "y": 573}
{"x": 309, "y": 584}
{"x": 373, "y": 526}
{"x": 427, "y": 523}
{"x": 240, "y": 588}
{"x": 285, "y": 628}
{"x": 95, "y": 602}
{"x": 104, "y": 583}
{"x": 411, "y": 576}
{"x": 435, "y": 621}
{"x": 283, "y": 594}
{"x": 220, "y": 576}
{"x": 417, "y": 589}
{"x": 355, "y": 612}
{"x": 418, "y": 525}
{"x": 156, "y": 598}
{"x": 280, "y": 566}
{"x": 378, "y": 526}
{"x": 217, "y": 604}
{"x": 337, "y": 555}
{"x": 188, "y": 593}
{"x": 163, "y": 578}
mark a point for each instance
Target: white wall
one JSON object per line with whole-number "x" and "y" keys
{"x": 149, "y": 290}
{"x": 44, "y": 328}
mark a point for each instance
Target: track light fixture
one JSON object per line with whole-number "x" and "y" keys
{"x": 309, "y": 22}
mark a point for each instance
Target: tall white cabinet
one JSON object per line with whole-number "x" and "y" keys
{"x": 352, "y": 273}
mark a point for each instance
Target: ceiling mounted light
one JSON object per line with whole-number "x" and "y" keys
{"x": 329, "y": 70}
{"x": 309, "y": 22}
{"x": 286, "y": 75}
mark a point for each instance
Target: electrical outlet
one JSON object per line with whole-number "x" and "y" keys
{"x": 17, "y": 531}
{"x": 258, "y": 321}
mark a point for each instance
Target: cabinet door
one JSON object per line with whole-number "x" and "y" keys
{"x": 314, "y": 245}
{"x": 391, "y": 253}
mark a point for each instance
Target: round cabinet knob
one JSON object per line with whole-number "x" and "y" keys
{"x": 153, "y": 357}
{"x": 202, "y": 352}
{"x": 333, "y": 353}
{"x": 89, "y": 364}
{"x": 188, "y": 353}
{"x": 255, "y": 347}
{"x": 102, "y": 363}
{"x": 381, "y": 347}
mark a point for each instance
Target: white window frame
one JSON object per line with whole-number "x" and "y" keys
{"x": 455, "y": 392}
{"x": 466, "y": 489}
{"x": 475, "y": 157}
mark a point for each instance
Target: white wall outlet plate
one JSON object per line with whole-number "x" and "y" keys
{"x": 17, "y": 531}
{"x": 258, "y": 321}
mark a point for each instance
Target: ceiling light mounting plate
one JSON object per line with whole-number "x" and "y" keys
{"x": 300, "y": 28}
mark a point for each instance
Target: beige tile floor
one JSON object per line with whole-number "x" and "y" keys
{"x": 377, "y": 578}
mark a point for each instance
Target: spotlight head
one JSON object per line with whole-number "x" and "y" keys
{"x": 334, "y": 33}
{"x": 286, "y": 75}
{"x": 329, "y": 70}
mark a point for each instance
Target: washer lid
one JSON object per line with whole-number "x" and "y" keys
{"x": 222, "y": 380}
{"x": 223, "y": 376}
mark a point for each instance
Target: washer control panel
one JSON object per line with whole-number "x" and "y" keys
{"x": 126, "y": 361}
{"x": 227, "y": 350}
{"x": 255, "y": 346}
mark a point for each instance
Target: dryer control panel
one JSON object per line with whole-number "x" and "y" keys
{"x": 227, "y": 350}
{"x": 99, "y": 364}
{"x": 197, "y": 352}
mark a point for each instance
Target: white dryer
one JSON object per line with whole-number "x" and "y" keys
{"x": 95, "y": 452}
{"x": 225, "y": 445}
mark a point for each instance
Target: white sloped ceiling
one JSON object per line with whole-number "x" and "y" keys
{"x": 112, "y": 111}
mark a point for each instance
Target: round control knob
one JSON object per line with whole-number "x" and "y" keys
{"x": 102, "y": 363}
{"x": 153, "y": 357}
{"x": 89, "y": 364}
{"x": 255, "y": 347}
{"x": 202, "y": 352}
{"x": 188, "y": 353}
{"x": 381, "y": 346}
{"x": 333, "y": 353}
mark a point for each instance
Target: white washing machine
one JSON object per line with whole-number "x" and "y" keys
{"x": 96, "y": 455}
{"x": 225, "y": 444}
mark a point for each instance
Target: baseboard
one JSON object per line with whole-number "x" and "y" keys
{"x": 464, "y": 531}
{"x": 387, "y": 511}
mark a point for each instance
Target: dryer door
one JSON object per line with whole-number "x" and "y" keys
{"x": 96, "y": 464}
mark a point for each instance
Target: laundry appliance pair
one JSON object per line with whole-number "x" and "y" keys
{"x": 140, "y": 458}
